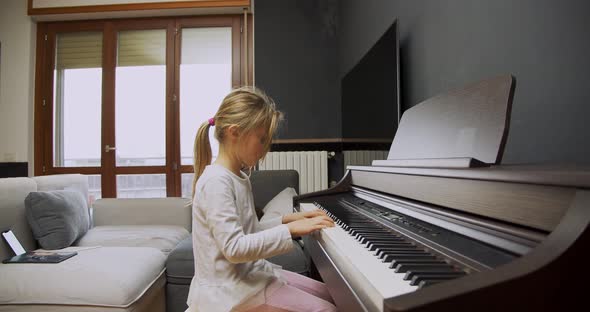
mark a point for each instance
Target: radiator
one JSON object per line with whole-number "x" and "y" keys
{"x": 312, "y": 167}
{"x": 362, "y": 158}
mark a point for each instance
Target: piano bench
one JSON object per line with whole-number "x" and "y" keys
{"x": 180, "y": 270}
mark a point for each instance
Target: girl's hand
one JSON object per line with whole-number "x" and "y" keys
{"x": 305, "y": 225}
{"x": 302, "y": 215}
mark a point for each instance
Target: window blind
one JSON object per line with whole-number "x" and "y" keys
{"x": 79, "y": 50}
{"x": 141, "y": 47}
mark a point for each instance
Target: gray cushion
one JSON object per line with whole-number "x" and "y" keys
{"x": 266, "y": 184}
{"x": 57, "y": 218}
{"x": 180, "y": 265}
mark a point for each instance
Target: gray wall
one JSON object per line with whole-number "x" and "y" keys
{"x": 296, "y": 63}
{"x": 448, "y": 44}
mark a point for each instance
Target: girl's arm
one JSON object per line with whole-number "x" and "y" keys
{"x": 270, "y": 223}
{"x": 224, "y": 223}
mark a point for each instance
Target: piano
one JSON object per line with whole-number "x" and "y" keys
{"x": 454, "y": 233}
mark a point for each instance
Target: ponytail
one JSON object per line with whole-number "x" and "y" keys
{"x": 202, "y": 153}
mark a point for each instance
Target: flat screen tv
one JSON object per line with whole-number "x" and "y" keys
{"x": 370, "y": 93}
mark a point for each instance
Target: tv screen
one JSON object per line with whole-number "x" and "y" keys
{"x": 370, "y": 92}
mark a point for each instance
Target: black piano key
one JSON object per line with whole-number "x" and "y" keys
{"x": 377, "y": 235}
{"x": 416, "y": 279}
{"x": 383, "y": 249}
{"x": 365, "y": 238}
{"x": 356, "y": 232}
{"x": 386, "y": 239}
{"x": 401, "y": 248}
{"x": 358, "y": 227}
{"x": 368, "y": 240}
{"x": 427, "y": 283}
{"x": 372, "y": 229}
{"x": 383, "y": 238}
{"x": 380, "y": 254}
{"x": 397, "y": 262}
{"x": 391, "y": 257}
{"x": 373, "y": 233}
{"x": 361, "y": 227}
{"x": 369, "y": 227}
{"x": 411, "y": 272}
{"x": 391, "y": 246}
{"x": 390, "y": 254}
{"x": 409, "y": 268}
{"x": 376, "y": 246}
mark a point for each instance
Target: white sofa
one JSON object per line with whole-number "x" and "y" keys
{"x": 121, "y": 260}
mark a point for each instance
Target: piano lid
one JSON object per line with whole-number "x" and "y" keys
{"x": 534, "y": 196}
{"x": 464, "y": 128}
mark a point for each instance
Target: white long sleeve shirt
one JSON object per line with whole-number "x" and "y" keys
{"x": 229, "y": 244}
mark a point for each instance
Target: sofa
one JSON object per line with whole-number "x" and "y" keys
{"x": 136, "y": 256}
{"x": 120, "y": 265}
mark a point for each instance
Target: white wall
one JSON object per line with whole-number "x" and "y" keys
{"x": 17, "y": 39}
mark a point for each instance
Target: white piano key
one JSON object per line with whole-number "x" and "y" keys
{"x": 357, "y": 259}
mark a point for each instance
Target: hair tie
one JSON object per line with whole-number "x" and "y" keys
{"x": 211, "y": 121}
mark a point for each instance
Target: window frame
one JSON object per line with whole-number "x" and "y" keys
{"x": 44, "y": 106}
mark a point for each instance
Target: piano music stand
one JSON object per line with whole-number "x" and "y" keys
{"x": 460, "y": 129}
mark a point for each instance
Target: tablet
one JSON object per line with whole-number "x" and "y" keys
{"x": 32, "y": 256}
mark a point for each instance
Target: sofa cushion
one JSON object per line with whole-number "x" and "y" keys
{"x": 104, "y": 276}
{"x": 161, "y": 237}
{"x": 266, "y": 184}
{"x": 180, "y": 265}
{"x": 54, "y": 182}
{"x": 280, "y": 205}
{"x": 57, "y": 218}
{"x": 12, "y": 213}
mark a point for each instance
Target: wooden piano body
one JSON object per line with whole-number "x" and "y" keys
{"x": 517, "y": 234}
{"x": 544, "y": 209}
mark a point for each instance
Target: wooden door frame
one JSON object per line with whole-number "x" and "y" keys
{"x": 43, "y": 127}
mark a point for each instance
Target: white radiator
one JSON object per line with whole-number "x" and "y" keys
{"x": 312, "y": 167}
{"x": 362, "y": 158}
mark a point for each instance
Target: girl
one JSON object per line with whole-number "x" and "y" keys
{"x": 229, "y": 244}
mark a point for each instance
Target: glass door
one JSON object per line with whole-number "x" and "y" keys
{"x": 140, "y": 113}
{"x": 76, "y": 104}
{"x": 205, "y": 78}
{"x": 120, "y": 101}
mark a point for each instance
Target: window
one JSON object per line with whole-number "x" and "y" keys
{"x": 77, "y": 91}
{"x": 121, "y": 100}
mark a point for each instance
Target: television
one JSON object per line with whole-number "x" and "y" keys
{"x": 370, "y": 93}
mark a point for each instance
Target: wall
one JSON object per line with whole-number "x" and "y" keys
{"x": 443, "y": 45}
{"x": 448, "y": 44}
{"x": 17, "y": 39}
{"x": 296, "y": 63}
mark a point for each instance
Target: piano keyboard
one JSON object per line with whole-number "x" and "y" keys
{"x": 369, "y": 252}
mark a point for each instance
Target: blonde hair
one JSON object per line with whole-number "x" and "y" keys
{"x": 248, "y": 108}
